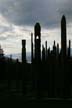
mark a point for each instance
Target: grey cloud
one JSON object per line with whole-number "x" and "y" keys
{"x": 2, "y": 38}
{"x": 5, "y": 29}
{"x": 66, "y": 8}
{"x": 27, "y": 12}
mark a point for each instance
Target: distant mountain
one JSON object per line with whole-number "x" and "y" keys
{"x": 18, "y": 56}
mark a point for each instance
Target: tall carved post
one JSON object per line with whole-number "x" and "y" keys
{"x": 23, "y": 51}
{"x": 37, "y": 30}
{"x": 69, "y": 49}
{"x": 31, "y": 47}
{"x": 63, "y": 54}
{"x": 46, "y": 50}
{"x": 63, "y": 37}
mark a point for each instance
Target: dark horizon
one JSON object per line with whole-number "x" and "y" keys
{"x": 18, "y": 56}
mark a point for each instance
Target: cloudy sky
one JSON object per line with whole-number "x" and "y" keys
{"x": 18, "y": 17}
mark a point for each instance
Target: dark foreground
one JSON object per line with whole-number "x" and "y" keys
{"x": 28, "y": 102}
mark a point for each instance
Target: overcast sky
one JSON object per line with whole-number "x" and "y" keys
{"x": 18, "y": 17}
